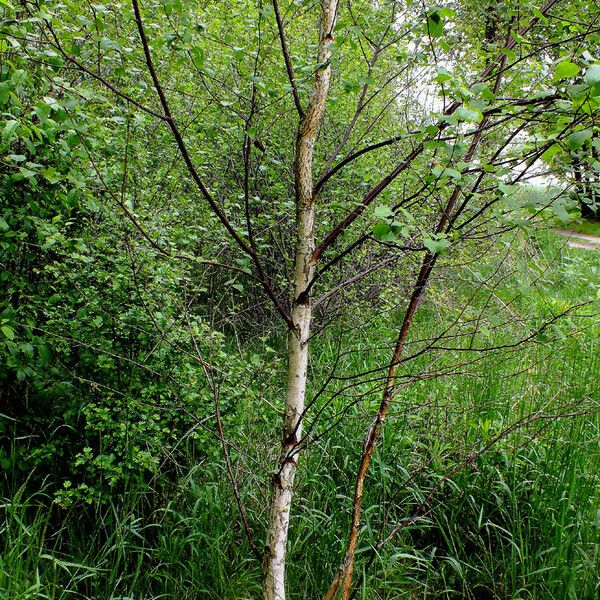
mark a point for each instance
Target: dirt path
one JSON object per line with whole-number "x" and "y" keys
{"x": 580, "y": 240}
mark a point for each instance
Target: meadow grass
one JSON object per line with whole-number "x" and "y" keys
{"x": 586, "y": 226}
{"x": 520, "y": 521}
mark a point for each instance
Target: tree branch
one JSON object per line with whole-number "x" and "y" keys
{"x": 286, "y": 57}
{"x": 196, "y": 176}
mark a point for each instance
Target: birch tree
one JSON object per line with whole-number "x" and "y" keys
{"x": 301, "y": 313}
{"x": 397, "y": 133}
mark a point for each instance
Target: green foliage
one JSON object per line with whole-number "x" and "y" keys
{"x": 96, "y": 395}
{"x": 129, "y": 317}
{"x": 565, "y": 70}
{"x": 518, "y": 521}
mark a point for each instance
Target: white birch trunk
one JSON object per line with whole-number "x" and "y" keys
{"x": 283, "y": 481}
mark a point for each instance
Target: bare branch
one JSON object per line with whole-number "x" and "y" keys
{"x": 286, "y": 57}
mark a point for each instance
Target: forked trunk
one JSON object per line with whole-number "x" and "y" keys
{"x": 283, "y": 480}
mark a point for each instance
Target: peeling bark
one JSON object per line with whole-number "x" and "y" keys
{"x": 283, "y": 480}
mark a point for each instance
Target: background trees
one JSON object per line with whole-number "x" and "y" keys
{"x": 200, "y": 195}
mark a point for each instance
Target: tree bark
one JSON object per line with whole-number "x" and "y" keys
{"x": 298, "y": 344}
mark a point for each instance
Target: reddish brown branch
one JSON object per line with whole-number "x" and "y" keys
{"x": 405, "y": 164}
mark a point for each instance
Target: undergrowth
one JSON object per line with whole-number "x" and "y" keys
{"x": 517, "y": 520}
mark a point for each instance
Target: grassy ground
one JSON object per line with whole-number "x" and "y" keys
{"x": 520, "y": 521}
{"x": 586, "y": 227}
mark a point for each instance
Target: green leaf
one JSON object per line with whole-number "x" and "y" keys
{"x": 51, "y": 175}
{"x": 399, "y": 229}
{"x": 506, "y": 189}
{"x": 443, "y": 75}
{"x": 351, "y": 86}
{"x": 592, "y": 75}
{"x": 441, "y": 172}
{"x": 44, "y": 354}
{"x": 551, "y": 152}
{"x": 469, "y": 114}
{"x": 435, "y": 24}
{"x": 436, "y": 246}
{"x": 197, "y": 53}
{"x": 561, "y": 212}
{"x": 9, "y": 129}
{"x": 482, "y": 90}
{"x": 578, "y": 138}
{"x": 4, "y": 93}
{"x": 27, "y": 349}
{"x": 383, "y": 212}
{"x": 8, "y": 332}
{"x": 565, "y": 70}
{"x": 108, "y": 44}
{"x": 381, "y": 230}
{"x": 27, "y": 173}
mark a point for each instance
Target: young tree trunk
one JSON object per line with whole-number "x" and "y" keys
{"x": 283, "y": 480}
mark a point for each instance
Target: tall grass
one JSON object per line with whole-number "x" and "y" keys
{"x": 520, "y": 521}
